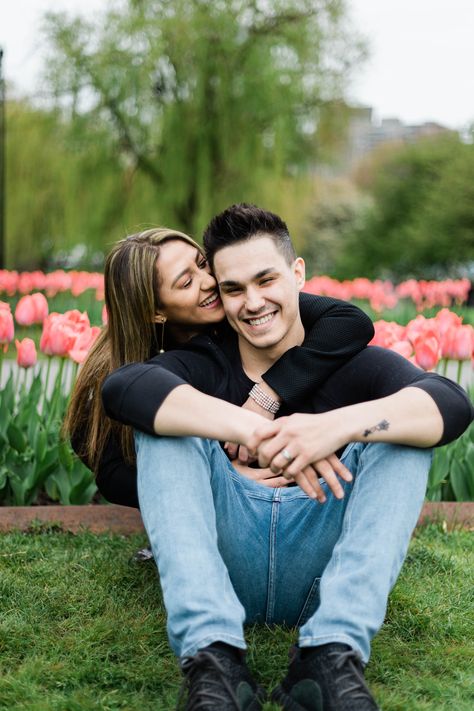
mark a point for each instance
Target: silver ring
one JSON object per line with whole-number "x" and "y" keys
{"x": 285, "y": 453}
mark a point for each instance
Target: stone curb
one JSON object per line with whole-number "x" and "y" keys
{"x": 126, "y": 521}
{"x": 97, "y": 518}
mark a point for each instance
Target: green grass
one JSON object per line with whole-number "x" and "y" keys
{"x": 83, "y": 628}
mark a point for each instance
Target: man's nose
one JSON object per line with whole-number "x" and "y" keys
{"x": 254, "y": 301}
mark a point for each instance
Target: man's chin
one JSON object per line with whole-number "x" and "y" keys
{"x": 262, "y": 341}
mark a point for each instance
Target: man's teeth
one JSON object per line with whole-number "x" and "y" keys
{"x": 259, "y": 321}
{"x": 209, "y": 300}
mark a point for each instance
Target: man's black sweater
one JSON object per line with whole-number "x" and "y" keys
{"x": 134, "y": 393}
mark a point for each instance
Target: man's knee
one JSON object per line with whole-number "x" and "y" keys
{"x": 152, "y": 445}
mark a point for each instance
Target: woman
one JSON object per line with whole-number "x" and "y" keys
{"x": 159, "y": 293}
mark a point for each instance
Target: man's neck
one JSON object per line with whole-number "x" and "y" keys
{"x": 256, "y": 361}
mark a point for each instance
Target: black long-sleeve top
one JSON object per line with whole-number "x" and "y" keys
{"x": 134, "y": 393}
{"x": 335, "y": 332}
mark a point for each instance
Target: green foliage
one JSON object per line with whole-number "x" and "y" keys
{"x": 169, "y": 110}
{"x": 451, "y": 475}
{"x": 421, "y": 222}
{"x": 33, "y": 457}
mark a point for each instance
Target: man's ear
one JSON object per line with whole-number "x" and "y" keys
{"x": 300, "y": 272}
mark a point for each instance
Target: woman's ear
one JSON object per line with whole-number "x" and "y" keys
{"x": 160, "y": 318}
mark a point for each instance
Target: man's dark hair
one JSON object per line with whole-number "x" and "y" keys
{"x": 241, "y": 222}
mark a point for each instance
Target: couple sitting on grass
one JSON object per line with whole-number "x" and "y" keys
{"x": 308, "y": 525}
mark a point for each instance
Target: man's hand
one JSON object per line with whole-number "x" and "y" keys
{"x": 328, "y": 469}
{"x": 299, "y": 444}
{"x": 262, "y": 476}
{"x": 240, "y": 452}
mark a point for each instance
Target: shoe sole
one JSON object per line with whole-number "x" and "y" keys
{"x": 279, "y": 696}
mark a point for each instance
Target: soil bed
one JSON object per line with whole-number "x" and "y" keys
{"x": 100, "y": 518}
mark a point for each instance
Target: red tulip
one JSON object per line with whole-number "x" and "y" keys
{"x": 26, "y": 353}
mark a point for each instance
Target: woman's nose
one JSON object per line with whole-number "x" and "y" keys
{"x": 208, "y": 282}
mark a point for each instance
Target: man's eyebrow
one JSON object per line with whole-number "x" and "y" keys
{"x": 256, "y": 276}
{"x": 185, "y": 271}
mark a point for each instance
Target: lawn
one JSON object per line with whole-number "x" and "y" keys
{"x": 82, "y": 627}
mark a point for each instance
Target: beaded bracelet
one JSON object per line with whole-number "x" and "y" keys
{"x": 264, "y": 400}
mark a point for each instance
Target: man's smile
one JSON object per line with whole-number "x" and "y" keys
{"x": 257, "y": 321}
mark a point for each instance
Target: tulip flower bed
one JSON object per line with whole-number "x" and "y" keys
{"x": 55, "y": 318}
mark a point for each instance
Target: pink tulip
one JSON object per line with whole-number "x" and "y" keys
{"x": 26, "y": 353}
{"x": 56, "y": 338}
{"x": 41, "y": 306}
{"x": 8, "y": 281}
{"x": 460, "y": 343}
{"x": 105, "y": 316}
{"x": 60, "y": 339}
{"x": 31, "y": 309}
{"x": 25, "y": 312}
{"x": 7, "y": 328}
{"x": 83, "y": 343}
{"x": 421, "y": 326}
{"x": 76, "y": 320}
{"x": 62, "y": 331}
{"x": 404, "y": 348}
{"x": 387, "y": 333}
{"x": 427, "y": 352}
{"x": 446, "y": 320}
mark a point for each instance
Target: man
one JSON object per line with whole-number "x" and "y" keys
{"x": 323, "y": 555}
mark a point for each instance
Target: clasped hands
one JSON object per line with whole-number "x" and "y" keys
{"x": 298, "y": 448}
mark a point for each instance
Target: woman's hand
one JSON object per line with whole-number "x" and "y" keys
{"x": 301, "y": 447}
{"x": 261, "y": 476}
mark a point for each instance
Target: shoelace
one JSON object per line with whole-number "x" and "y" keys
{"x": 359, "y": 686}
{"x": 207, "y": 692}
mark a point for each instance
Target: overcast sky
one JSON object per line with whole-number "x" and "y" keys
{"x": 421, "y": 66}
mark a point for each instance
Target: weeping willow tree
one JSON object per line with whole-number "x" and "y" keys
{"x": 166, "y": 112}
{"x": 202, "y": 103}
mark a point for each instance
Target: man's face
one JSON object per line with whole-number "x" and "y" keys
{"x": 259, "y": 291}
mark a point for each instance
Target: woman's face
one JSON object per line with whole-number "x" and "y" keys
{"x": 188, "y": 290}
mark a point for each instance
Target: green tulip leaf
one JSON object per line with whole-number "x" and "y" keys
{"x": 16, "y": 437}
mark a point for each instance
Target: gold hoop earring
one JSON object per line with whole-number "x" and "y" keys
{"x": 162, "y": 320}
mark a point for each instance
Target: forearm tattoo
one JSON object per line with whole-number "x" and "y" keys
{"x": 384, "y": 425}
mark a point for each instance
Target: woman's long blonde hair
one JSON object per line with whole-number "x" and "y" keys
{"x": 132, "y": 301}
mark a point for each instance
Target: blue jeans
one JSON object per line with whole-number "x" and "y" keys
{"x": 230, "y": 550}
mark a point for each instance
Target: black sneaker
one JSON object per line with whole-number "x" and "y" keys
{"x": 217, "y": 681}
{"x": 327, "y": 678}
